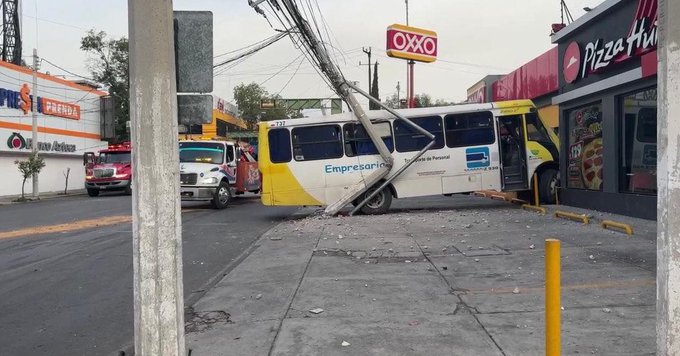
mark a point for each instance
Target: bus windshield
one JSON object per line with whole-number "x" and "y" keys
{"x": 115, "y": 157}
{"x": 201, "y": 152}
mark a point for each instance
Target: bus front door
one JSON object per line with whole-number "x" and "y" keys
{"x": 513, "y": 153}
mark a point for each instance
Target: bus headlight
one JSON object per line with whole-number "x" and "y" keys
{"x": 210, "y": 180}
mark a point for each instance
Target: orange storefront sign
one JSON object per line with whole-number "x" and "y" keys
{"x": 60, "y": 109}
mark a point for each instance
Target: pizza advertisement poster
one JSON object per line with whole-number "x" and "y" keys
{"x": 585, "y": 148}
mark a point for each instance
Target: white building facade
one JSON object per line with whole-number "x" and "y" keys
{"x": 68, "y": 125}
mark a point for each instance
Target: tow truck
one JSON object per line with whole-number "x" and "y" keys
{"x": 111, "y": 170}
{"x": 216, "y": 171}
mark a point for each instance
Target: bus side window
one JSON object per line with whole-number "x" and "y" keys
{"x": 470, "y": 129}
{"x": 317, "y": 142}
{"x": 407, "y": 139}
{"x": 358, "y": 143}
{"x": 279, "y": 146}
{"x": 535, "y": 129}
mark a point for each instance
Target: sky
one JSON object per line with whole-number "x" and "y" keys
{"x": 475, "y": 38}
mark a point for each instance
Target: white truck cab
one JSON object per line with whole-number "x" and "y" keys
{"x": 208, "y": 171}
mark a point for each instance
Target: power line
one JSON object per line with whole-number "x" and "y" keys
{"x": 252, "y": 51}
{"x": 291, "y": 78}
{"x": 279, "y": 72}
{"x": 67, "y": 71}
{"x": 248, "y": 46}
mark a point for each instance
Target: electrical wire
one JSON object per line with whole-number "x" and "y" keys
{"x": 279, "y": 72}
{"x": 291, "y": 78}
{"x": 67, "y": 71}
{"x": 252, "y": 51}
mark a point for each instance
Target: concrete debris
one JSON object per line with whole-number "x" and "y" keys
{"x": 367, "y": 262}
{"x": 366, "y": 285}
{"x": 316, "y": 311}
{"x": 444, "y": 249}
{"x": 373, "y": 249}
{"x": 414, "y": 323}
{"x": 476, "y": 259}
{"x": 407, "y": 261}
{"x": 259, "y": 296}
{"x": 275, "y": 237}
{"x": 606, "y": 310}
{"x": 591, "y": 257}
{"x": 515, "y": 291}
{"x": 345, "y": 343}
{"x": 390, "y": 250}
{"x": 349, "y": 253}
{"x": 532, "y": 246}
{"x": 467, "y": 226}
{"x": 340, "y": 237}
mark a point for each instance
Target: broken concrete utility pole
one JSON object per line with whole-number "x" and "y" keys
{"x": 668, "y": 175}
{"x": 156, "y": 210}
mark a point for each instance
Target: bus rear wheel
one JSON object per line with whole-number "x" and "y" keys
{"x": 379, "y": 204}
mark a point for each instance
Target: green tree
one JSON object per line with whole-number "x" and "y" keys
{"x": 392, "y": 101}
{"x": 423, "y": 101}
{"x": 33, "y": 165}
{"x": 248, "y": 98}
{"x": 375, "y": 91}
{"x": 108, "y": 64}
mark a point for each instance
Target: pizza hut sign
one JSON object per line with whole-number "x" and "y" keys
{"x": 599, "y": 55}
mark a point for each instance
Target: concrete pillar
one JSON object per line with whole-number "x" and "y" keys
{"x": 668, "y": 175}
{"x": 156, "y": 224}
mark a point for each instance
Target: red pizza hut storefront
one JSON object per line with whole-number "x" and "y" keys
{"x": 608, "y": 110}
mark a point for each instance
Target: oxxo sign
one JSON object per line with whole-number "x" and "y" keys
{"x": 411, "y": 43}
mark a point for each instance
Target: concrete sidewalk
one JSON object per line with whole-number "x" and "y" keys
{"x": 11, "y": 199}
{"x": 462, "y": 278}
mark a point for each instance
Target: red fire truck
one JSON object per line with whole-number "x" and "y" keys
{"x": 111, "y": 170}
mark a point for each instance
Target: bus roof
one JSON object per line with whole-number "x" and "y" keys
{"x": 383, "y": 114}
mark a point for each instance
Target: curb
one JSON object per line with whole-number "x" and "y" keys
{"x": 9, "y": 200}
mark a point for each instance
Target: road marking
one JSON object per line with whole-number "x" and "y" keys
{"x": 72, "y": 226}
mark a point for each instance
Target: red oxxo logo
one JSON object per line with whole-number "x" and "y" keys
{"x": 411, "y": 43}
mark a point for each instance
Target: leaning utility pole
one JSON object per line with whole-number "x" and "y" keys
{"x": 668, "y": 173}
{"x": 34, "y": 121}
{"x": 156, "y": 210}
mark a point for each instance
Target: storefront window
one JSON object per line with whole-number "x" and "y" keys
{"x": 638, "y": 142}
{"x": 585, "y": 166}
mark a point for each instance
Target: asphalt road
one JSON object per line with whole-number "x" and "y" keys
{"x": 70, "y": 292}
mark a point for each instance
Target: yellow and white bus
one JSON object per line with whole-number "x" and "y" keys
{"x": 499, "y": 146}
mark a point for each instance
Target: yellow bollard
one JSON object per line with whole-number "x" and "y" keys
{"x": 552, "y": 297}
{"x": 536, "y": 201}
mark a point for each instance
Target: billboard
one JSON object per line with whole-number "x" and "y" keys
{"x": 411, "y": 43}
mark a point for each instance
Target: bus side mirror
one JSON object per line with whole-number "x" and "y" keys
{"x": 88, "y": 158}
